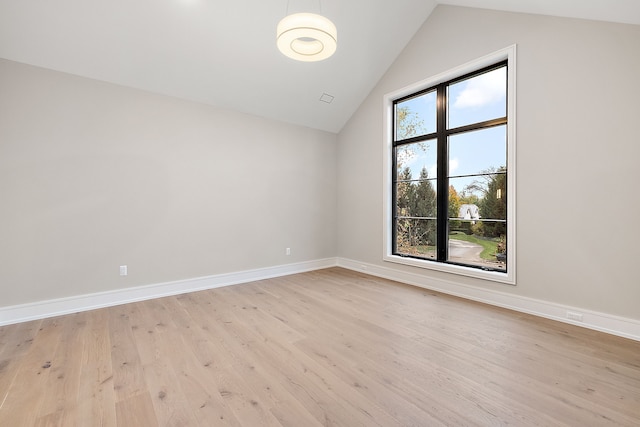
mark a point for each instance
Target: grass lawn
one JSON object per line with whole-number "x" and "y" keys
{"x": 489, "y": 246}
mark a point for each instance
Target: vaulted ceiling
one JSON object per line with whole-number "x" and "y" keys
{"x": 223, "y": 53}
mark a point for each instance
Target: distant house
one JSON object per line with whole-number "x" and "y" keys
{"x": 469, "y": 212}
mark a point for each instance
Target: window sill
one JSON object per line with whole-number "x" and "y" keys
{"x": 494, "y": 276}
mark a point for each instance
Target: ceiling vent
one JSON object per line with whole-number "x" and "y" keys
{"x": 326, "y": 98}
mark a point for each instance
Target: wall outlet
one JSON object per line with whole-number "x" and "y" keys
{"x": 287, "y": 251}
{"x": 123, "y": 270}
{"x": 574, "y": 316}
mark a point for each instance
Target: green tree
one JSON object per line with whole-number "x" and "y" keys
{"x": 405, "y": 196}
{"x": 404, "y": 193}
{"x": 425, "y": 206}
{"x": 494, "y": 204}
{"x": 468, "y": 198}
{"x": 425, "y": 196}
{"x": 491, "y": 197}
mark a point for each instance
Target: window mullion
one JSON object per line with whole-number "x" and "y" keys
{"x": 443, "y": 172}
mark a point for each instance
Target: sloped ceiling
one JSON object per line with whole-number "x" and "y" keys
{"x": 223, "y": 53}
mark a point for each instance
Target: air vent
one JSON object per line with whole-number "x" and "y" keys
{"x": 326, "y": 98}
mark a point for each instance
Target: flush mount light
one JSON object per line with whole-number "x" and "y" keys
{"x": 307, "y": 37}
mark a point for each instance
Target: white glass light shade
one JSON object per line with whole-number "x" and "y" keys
{"x": 307, "y": 37}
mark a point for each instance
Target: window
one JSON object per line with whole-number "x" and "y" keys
{"x": 450, "y": 159}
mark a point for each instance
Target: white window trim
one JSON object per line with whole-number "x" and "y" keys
{"x": 509, "y": 277}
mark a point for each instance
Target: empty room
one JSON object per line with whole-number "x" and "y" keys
{"x": 319, "y": 213}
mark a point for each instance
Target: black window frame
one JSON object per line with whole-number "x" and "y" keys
{"x": 441, "y": 136}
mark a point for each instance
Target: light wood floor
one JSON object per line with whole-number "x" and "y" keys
{"x": 331, "y": 347}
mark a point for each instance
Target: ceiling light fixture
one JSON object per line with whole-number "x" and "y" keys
{"x": 307, "y": 37}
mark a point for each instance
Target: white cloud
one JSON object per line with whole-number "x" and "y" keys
{"x": 453, "y": 165}
{"x": 483, "y": 90}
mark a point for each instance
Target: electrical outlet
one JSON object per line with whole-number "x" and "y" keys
{"x": 287, "y": 251}
{"x": 123, "y": 270}
{"x": 574, "y": 316}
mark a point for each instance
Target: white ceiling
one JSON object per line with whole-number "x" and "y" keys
{"x": 223, "y": 53}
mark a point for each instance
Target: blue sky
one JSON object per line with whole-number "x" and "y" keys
{"x": 470, "y": 101}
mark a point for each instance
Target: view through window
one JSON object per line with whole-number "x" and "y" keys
{"x": 450, "y": 171}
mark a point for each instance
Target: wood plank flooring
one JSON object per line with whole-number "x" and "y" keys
{"x": 326, "y": 348}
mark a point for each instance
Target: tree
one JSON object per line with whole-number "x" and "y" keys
{"x": 405, "y": 196}
{"x": 425, "y": 206}
{"x": 408, "y": 123}
{"x": 425, "y": 196}
{"x": 404, "y": 193}
{"x": 492, "y": 200}
{"x": 494, "y": 204}
{"x": 454, "y": 207}
{"x": 410, "y": 233}
{"x": 468, "y": 198}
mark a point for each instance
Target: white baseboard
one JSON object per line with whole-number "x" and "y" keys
{"x": 621, "y": 326}
{"x": 624, "y": 327}
{"x": 61, "y": 306}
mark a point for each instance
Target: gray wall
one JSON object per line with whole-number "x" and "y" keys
{"x": 93, "y": 176}
{"x": 578, "y": 150}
